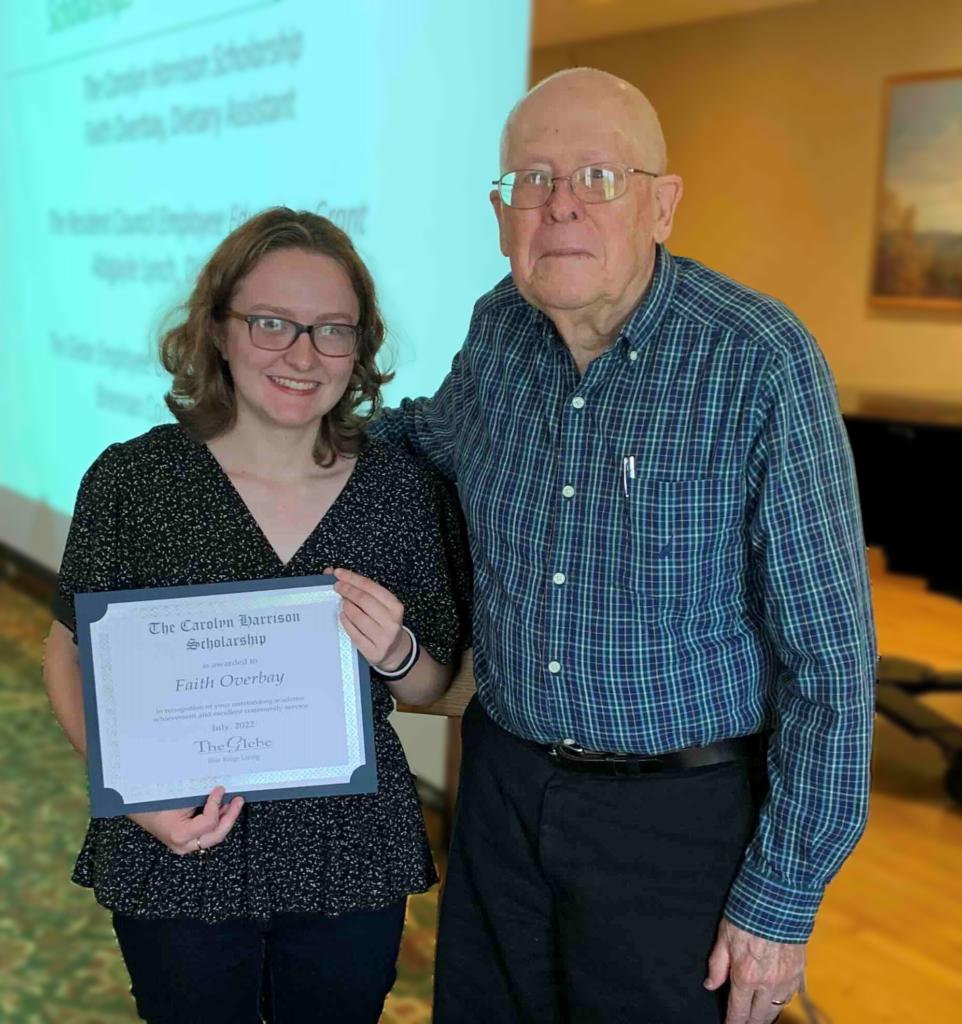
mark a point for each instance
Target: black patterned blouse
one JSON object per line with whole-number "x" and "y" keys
{"x": 159, "y": 511}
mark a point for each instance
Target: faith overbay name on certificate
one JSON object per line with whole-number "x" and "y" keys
{"x": 254, "y": 686}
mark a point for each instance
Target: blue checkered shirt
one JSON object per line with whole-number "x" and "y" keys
{"x": 713, "y": 587}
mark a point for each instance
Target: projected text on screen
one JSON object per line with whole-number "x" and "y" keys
{"x": 139, "y": 134}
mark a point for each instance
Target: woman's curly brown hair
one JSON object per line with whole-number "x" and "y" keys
{"x": 202, "y": 394}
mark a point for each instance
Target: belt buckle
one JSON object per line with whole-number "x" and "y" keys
{"x": 617, "y": 763}
{"x": 569, "y": 750}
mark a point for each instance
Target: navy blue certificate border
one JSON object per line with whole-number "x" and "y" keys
{"x": 107, "y": 803}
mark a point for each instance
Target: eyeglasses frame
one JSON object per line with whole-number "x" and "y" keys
{"x": 498, "y": 183}
{"x": 307, "y": 329}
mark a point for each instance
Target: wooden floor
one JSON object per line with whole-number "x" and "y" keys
{"x": 888, "y": 941}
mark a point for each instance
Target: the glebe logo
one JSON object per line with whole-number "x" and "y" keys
{"x": 233, "y": 745}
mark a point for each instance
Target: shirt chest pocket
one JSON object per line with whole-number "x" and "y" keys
{"x": 684, "y": 540}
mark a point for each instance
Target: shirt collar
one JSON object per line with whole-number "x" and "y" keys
{"x": 644, "y": 323}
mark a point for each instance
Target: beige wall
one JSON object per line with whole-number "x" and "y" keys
{"x": 775, "y": 123}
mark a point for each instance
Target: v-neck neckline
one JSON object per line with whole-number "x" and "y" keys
{"x": 236, "y": 498}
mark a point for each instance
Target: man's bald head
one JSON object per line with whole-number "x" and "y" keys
{"x": 598, "y": 95}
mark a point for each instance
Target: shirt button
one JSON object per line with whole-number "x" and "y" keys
{"x": 632, "y": 355}
{"x": 578, "y": 403}
{"x": 568, "y": 491}
{"x": 559, "y": 578}
{"x": 554, "y": 667}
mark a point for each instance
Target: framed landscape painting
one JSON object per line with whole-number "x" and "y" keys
{"x": 918, "y": 239}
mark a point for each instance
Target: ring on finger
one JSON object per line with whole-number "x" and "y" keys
{"x": 200, "y": 849}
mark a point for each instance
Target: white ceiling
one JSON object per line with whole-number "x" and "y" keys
{"x": 568, "y": 21}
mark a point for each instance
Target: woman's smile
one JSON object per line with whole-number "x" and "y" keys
{"x": 294, "y": 385}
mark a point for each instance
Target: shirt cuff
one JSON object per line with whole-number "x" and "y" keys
{"x": 767, "y": 907}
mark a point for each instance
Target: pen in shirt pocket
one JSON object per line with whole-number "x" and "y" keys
{"x": 627, "y": 471}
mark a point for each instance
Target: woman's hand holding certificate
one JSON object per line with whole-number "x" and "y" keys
{"x": 185, "y": 831}
{"x": 372, "y": 618}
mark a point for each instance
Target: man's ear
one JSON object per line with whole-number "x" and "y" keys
{"x": 498, "y": 208}
{"x": 668, "y": 191}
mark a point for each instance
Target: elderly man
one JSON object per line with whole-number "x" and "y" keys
{"x": 668, "y": 755}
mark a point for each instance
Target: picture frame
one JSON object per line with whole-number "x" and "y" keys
{"x": 917, "y": 256}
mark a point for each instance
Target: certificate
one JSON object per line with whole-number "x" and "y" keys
{"x": 254, "y": 686}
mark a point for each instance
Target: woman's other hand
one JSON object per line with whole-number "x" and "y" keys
{"x": 372, "y": 618}
{"x": 181, "y": 829}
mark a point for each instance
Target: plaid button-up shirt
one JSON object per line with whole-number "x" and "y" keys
{"x": 668, "y": 551}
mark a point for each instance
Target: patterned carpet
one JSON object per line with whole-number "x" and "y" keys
{"x": 58, "y": 957}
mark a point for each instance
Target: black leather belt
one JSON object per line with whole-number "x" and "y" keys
{"x": 570, "y": 755}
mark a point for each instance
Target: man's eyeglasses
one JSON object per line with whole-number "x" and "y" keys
{"x": 275, "y": 334}
{"x": 596, "y": 183}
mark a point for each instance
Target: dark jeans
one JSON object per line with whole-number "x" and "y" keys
{"x": 293, "y": 969}
{"x": 583, "y": 898}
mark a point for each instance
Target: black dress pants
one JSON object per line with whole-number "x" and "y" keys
{"x": 293, "y": 969}
{"x": 582, "y": 898}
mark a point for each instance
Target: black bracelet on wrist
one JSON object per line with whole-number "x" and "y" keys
{"x": 409, "y": 663}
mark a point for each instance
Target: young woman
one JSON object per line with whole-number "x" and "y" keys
{"x": 293, "y": 908}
